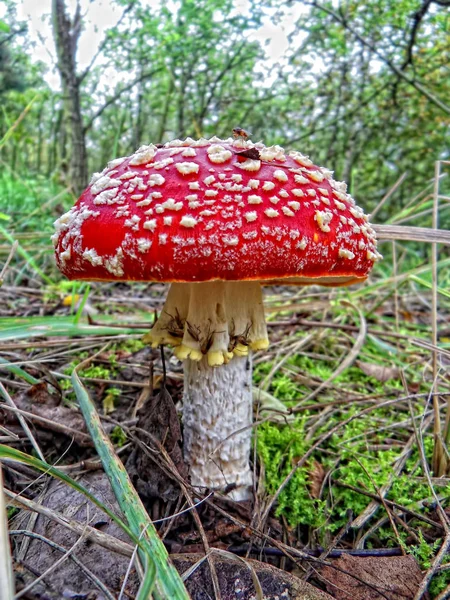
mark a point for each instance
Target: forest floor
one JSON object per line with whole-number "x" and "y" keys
{"x": 345, "y": 496}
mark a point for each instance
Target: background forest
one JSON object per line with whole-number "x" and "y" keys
{"x": 361, "y": 463}
{"x": 362, "y": 87}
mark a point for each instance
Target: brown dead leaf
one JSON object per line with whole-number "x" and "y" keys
{"x": 60, "y": 419}
{"x": 149, "y": 472}
{"x": 398, "y": 577}
{"x": 39, "y": 394}
{"x": 316, "y": 477}
{"x": 379, "y": 372}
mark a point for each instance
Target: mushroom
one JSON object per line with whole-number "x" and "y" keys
{"x": 215, "y": 218}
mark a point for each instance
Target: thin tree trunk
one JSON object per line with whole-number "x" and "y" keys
{"x": 139, "y": 123}
{"x": 54, "y": 138}
{"x": 166, "y": 107}
{"x": 39, "y": 147}
{"x": 66, "y": 33}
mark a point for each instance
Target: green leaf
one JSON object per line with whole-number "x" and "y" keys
{"x": 4, "y": 28}
{"x": 15, "y": 328}
{"x": 159, "y": 570}
{"x": 18, "y": 371}
{"x": 7, "y": 453}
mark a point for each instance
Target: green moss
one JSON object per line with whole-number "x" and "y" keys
{"x": 279, "y": 448}
{"x": 131, "y": 345}
{"x": 345, "y": 453}
{"x": 118, "y": 436}
{"x": 424, "y": 552}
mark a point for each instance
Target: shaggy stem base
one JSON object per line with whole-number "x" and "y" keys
{"x": 219, "y": 319}
{"x": 217, "y": 403}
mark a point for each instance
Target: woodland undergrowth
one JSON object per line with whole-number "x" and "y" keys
{"x": 344, "y": 460}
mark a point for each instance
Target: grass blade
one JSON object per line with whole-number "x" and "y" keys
{"x": 151, "y": 550}
{"x": 12, "y": 328}
{"x": 18, "y": 372}
{"x": 6, "y": 574}
{"x": 29, "y": 259}
{"x": 11, "y": 454}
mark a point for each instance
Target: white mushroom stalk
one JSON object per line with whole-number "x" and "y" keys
{"x": 209, "y": 324}
{"x": 217, "y": 419}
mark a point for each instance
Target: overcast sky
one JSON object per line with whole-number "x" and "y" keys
{"x": 103, "y": 14}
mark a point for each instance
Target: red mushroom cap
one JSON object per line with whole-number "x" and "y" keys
{"x": 203, "y": 210}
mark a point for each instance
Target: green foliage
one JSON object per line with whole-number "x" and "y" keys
{"x": 202, "y": 67}
{"x": 440, "y": 581}
{"x": 118, "y": 436}
{"x": 424, "y": 553}
{"x": 278, "y": 448}
{"x": 96, "y": 372}
{"x": 344, "y": 454}
{"x": 22, "y": 199}
{"x": 131, "y": 345}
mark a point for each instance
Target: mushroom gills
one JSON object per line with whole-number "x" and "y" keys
{"x": 219, "y": 319}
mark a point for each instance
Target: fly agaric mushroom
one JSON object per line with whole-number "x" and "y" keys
{"x": 215, "y": 218}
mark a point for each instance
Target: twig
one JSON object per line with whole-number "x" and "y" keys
{"x": 399, "y": 464}
{"x": 441, "y": 512}
{"x": 22, "y": 421}
{"x": 95, "y": 580}
{"x": 93, "y": 535}
{"x": 314, "y": 447}
{"x": 406, "y": 233}
{"x": 391, "y": 503}
{"x": 348, "y": 360}
{"x": 445, "y": 594}
{"x": 291, "y": 552}
{"x": 8, "y": 260}
{"x": 52, "y": 567}
{"x": 389, "y": 193}
{"x": 328, "y": 552}
{"x": 6, "y": 572}
{"x": 80, "y": 436}
{"x": 173, "y": 472}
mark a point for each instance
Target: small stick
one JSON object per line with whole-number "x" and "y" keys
{"x": 79, "y": 564}
{"x": 8, "y": 260}
{"x": 22, "y": 421}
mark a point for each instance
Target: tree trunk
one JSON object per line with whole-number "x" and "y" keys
{"x": 139, "y": 122}
{"x": 40, "y": 118}
{"x": 66, "y": 33}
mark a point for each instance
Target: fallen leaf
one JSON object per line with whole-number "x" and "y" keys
{"x": 316, "y": 477}
{"x": 379, "y": 372}
{"x": 398, "y": 577}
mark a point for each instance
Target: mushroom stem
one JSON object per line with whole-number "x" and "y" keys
{"x": 218, "y": 319}
{"x": 214, "y": 326}
{"x": 217, "y": 403}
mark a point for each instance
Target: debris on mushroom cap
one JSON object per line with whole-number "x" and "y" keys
{"x": 190, "y": 211}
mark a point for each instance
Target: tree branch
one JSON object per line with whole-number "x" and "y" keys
{"x": 418, "y": 86}
{"x": 12, "y": 34}
{"x": 228, "y": 66}
{"x": 83, "y": 75}
{"x": 417, "y": 19}
{"x": 117, "y": 95}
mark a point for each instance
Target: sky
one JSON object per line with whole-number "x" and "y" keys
{"x": 102, "y": 15}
